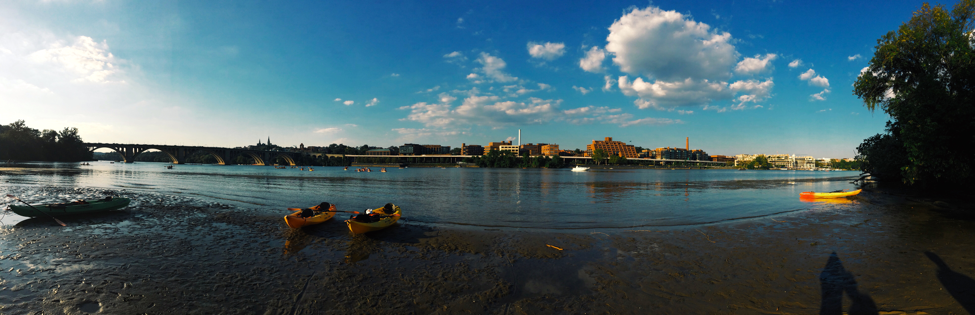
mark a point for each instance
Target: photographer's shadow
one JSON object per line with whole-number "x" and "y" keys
{"x": 961, "y": 287}
{"x": 834, "y": 281}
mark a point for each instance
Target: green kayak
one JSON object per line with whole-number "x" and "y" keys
{"x": 71, "y": 208}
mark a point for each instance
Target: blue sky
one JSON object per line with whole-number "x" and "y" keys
{"x": 736, "y": 77}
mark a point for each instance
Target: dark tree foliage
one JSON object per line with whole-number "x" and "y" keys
{"x": 923, "y": 76}
{"x": 20, "y": 142}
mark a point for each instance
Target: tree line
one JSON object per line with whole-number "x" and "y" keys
{"x": 22, "y": 143}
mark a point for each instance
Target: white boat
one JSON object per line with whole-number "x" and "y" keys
{"x": 580, "y": 169}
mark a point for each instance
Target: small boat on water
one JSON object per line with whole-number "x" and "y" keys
{"x": 835, "y": 194}
{"x": 579, "y": 168}
{"x": 310, "y": 216}
{"x": 72, "y": 208}
{"x": 379, "y": 219}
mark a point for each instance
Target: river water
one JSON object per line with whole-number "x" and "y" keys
{"x": 555, "y": 199}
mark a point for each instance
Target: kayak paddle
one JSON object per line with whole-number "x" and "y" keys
{"x": 32, "y": 207}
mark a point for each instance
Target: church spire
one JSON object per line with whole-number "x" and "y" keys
{"x": 268, "y": 140}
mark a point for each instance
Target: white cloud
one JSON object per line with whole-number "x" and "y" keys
{"x": 510, "y": 139}
{"x": 593, "y": 62}
{"x": 394, "y": 75}
{"x": 329, "y": 130}
{"x": 472, "y": 76}
{"x": 819, "y": 96}
{"x": 543, "y": 86}
{"x": 547, "y": 51}
{"x": 433, "y": 89}
{"x": 610, "y": 81}
{"x": 824, "y": 110}
{"x": 349, "y": 102}
{"x": 648, "y": 121}
{"x": 493, "y": 67}
{"x": 685, "y": 112}
{"x": 854, "y": 57}
{"x": 795, "y": 63}
{"x": 754, "y": 91}
{"x": 90, "y": 61}
{"x": 814, "y": 79}
{"x": 757, "y": 64}
{"x": 582, "y": 90}
{"x": 456, "y": 58}
{"x": 483, "y": 110}
{"x": 373, "y": 102}
{"x": 669, "y": 46}
{"x": 460, "y": 23}
{"x": 663, "y": 95}
{"x": 338, "y": 99}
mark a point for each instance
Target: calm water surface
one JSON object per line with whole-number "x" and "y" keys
{"x": 503, "y": 198}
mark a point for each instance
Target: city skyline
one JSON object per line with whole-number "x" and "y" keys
{"x": 762, "y": 77}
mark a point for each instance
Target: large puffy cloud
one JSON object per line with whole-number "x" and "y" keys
{"x": 548, "y": 51}
{"x": 666, "y": 45}
{"x": 493, "y": 68}
{"x": 757, "y": 64}
{"x": 593, "y": 61}
{"x": 88, "y": 60}
{"x": 814, "y": 79}
{"x": 678, "y": 62}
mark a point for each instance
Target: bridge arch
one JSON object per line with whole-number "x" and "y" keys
{"x": 169, "y": 154}
{"x": 220, "y": 160}
{"x": 286, "y": 157}
{"x": 253, "y": 155}
{"x": 118, "y": 150}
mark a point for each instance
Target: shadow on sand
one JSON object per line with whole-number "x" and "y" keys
{"x": 961, "y": 287}
{"x": 834, "y": 281}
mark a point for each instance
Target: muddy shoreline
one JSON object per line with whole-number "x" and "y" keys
{"x": 167, "y": 255}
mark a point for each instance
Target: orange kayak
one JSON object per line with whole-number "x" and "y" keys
{"x": 386, "y": 219}
{"x": 297, "y": 221}
{"x": 841, "y": 194}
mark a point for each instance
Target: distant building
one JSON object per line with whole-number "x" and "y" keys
{"x": 496, "y": 146}
{"x": 416, "y": 149}
{"x": 509, "y": 148}
{"x": 472, "y": 149}
{"x": 531, "y": 149}
{"x": 550, "y": 150}
{"x": 611, "y": 147}
{"x": 722, "y": 158}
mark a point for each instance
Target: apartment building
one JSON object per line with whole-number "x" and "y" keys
{"x": 472, "y": 149}
{"x": 611, "y": 147}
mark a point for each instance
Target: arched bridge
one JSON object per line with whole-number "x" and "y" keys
{"x": 178, "y": 154}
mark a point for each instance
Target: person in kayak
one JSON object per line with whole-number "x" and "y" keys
{"x": 322, "y": 207}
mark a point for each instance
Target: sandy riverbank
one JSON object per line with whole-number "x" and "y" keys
{"x": 879, "y": 253}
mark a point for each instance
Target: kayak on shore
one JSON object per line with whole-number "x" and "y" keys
{"x": 378, "y": 219}
{"x": 838, "y": 194}
{"x": 72, "y": 208}
{"x": 310, "y": 216}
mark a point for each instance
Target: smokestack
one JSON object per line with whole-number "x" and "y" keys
{"x": 688, "y": 144}
{"x": 519, "y": 138}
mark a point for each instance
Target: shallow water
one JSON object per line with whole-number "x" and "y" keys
{"x": 456, "y": 197}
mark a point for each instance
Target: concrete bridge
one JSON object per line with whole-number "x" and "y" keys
{"x": 178, "y": 153}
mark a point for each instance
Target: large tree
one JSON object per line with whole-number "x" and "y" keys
{"x": 923, "y": 76}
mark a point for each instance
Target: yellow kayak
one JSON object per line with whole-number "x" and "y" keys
{"x": 841, "y": 194}
{"x": 384, "y": 216}
{"x": 310, "y": 216}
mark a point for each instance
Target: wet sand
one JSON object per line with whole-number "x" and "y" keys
{"x": 878, "y": 254}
